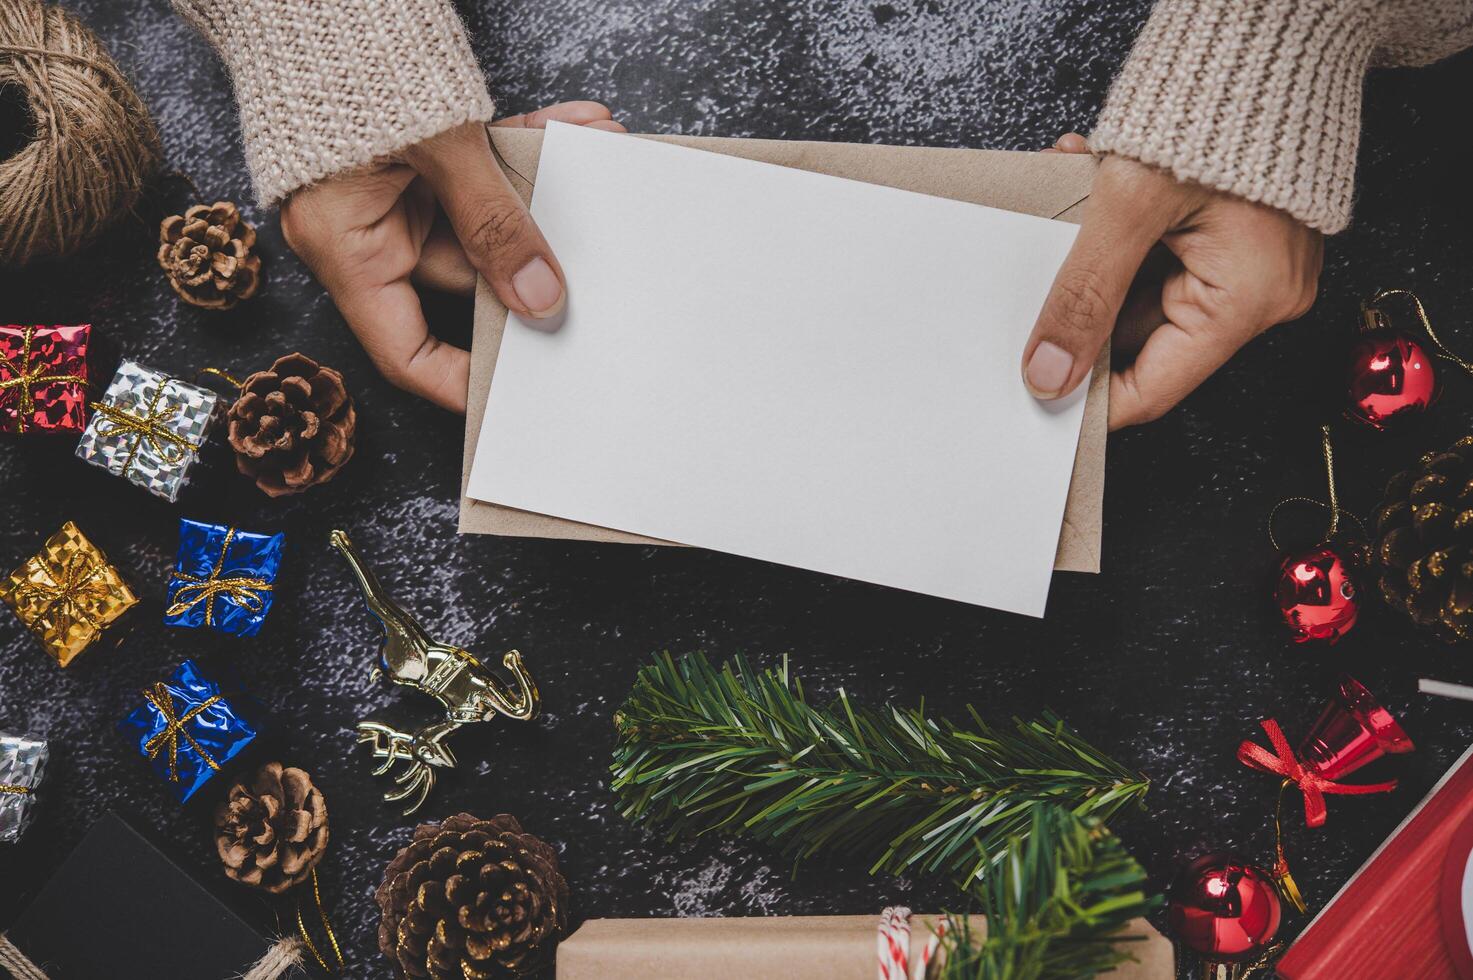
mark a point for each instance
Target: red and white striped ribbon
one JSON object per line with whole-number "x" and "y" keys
{"x": 893, "y": 942}
{"x": 929, "y": 953}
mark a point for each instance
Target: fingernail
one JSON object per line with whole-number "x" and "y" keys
{"x": 1049, "y": 369}
{"x": 538, "y": 288}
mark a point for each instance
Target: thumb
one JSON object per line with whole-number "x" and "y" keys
{"x": 498, "y": 234}
{"x": 1085, "y": 299}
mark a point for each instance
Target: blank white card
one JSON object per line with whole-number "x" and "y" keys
{"x": 788, "y": 366}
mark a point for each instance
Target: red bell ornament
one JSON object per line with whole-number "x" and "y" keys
{"x": 1227, "y": 911}
{"x": 1316, "y": 594}
{"x": 1392, "y": 375}
{"x": 1352, "y": 730}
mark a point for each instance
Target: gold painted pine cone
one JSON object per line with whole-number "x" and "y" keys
{"x": 292, "y": 426}
{"x": 472, "y": 899}
{"x": 1424, "y": 542}
{"x": 271, "y": 833}
{"x": 207, "y": 253}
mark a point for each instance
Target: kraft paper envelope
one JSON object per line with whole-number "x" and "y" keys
{"x": 1052, "y": 185}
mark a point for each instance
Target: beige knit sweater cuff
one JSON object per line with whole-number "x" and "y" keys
{"x": 1258, "y": 98}
{"x": 328, "y": 85}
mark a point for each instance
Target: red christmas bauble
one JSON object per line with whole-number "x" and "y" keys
{"x": 1224, "y": 909}
{"x": 1391, "y": 378}
{"x": 1317, "y": 595}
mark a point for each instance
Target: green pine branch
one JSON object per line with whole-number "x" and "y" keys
{"x": 734, "y": 750}
{"x": 1056, "y": 906}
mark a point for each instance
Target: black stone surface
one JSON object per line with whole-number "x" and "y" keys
{"x": 1167, "y": 659}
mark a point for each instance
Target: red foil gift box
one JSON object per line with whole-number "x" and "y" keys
{"x": 43, "y": 378}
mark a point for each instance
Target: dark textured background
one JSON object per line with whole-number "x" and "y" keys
{"x": 1167, "y": 659}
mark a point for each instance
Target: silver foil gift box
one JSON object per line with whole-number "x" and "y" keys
{"x": 149, "y": 428}
{"x": 22, "y": 766}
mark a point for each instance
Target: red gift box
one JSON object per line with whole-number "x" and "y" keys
{"x": 1408, "y": 912}
{"x": 43, "y": 378}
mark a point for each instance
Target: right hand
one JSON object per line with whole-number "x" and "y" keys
{"x": 1181, "y": 275}
{"x": 440, "y": 215}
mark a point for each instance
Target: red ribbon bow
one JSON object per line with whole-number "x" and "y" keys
{"x": 1282, "y": 762}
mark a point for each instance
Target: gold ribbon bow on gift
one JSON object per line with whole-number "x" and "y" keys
{"x": 28, "y": 374}
{"x": 15, "y": 790}
{"x": 73, "y": 594}
{"x": 247, "y": 590}
{"x": 169, "y": 446}
{"x": 174, "y": 728}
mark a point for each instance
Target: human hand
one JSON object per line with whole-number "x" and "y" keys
{"x": 438, "y": 216}
{"x": 1180, "y": 274}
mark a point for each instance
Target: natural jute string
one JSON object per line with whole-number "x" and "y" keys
{"x": 281, "y": 959}
{"x": 16, "y": 963}
{"x": 91, "y": 145}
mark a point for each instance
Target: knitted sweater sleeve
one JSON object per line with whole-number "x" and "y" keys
{"x": 328, "y": 85}
{"x": 1262, "y": 98}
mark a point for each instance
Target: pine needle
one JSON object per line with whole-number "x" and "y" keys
{"x": 1056, "y": 908}
{"x": 1015, "y": 816}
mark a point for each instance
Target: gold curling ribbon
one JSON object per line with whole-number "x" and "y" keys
{"x": 28, "y": 375}
{"x": 219, "y": 373}
{"x": 326, "y": 927}
{"x": 161, "y": 699}
{"x": 1282, "y": 877}
{"x": 1263, "y": 966}
{"x": 244, "y": 589}
{"x": 148, "y": 427}
{"x": 66, "y": 596}
{"x": 15, "y": 790}
{"x": 1376, "y": 319}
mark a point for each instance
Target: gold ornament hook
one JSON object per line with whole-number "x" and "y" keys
{"x": 1374, "y": 317}
{"x": 469, "y": 691}
{"x": 1333, "y": 506}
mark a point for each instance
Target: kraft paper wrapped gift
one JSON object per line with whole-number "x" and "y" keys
{"x": 1052, "y": 185}
{"x": 815, "y": 947}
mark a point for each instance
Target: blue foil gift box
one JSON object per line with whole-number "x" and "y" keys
{"x": 222, "y": 578}
{"x": 188, "y": 729}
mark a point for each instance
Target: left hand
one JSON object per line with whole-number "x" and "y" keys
{"x": 439, "y": 215}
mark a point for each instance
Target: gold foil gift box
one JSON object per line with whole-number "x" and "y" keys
{"x": 67, "y": 594}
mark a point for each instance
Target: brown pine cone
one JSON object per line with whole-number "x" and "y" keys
{"x": 292, "y": 426}
{"x": 206, "y": 252}
{"x": 272, "y": 833}
{"x": 1424, "y": 546}
{"x": 472, "y": 899}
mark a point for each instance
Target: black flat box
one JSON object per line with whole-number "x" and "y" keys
{"x": 118, "y": 908}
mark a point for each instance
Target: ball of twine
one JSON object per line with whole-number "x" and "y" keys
{"x": 91, "y": 146}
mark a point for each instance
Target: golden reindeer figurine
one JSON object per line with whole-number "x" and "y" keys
{"x": 469, "y": 691}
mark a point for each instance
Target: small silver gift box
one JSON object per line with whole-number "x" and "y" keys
{"x": 22, "y": 766}
{"x": 149, "y": 428}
